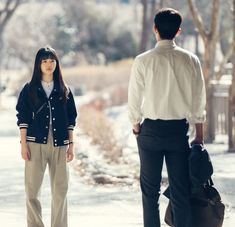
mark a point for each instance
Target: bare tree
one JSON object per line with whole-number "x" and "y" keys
{"x": 149, "y": 9}
{"x": 210, "y": 38}
{"x": 7, "y": 9}
{"x": 40, "y": 26}
{"x": 225, "y": 59}
{"x": 6, "y": 12}
{"x": 232, "y": 93}
{"x": 225, "y": 36}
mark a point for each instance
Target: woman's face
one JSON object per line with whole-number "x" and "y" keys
{"x": 48, "y": 67}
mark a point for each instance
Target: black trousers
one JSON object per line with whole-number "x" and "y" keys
{"x": 161, "y": 139}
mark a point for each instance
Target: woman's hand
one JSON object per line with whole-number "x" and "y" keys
{"x": 70, "y": 153}
{"x": 25, "y": 152}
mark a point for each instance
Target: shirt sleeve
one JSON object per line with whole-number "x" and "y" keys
{"x": 71, "y": 110}
{"x": 24, "y": 113}
{"x": 198, "y": 95}
{"x": 135, "y": 92}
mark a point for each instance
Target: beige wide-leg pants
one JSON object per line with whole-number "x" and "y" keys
{"x": 55, "y": 157}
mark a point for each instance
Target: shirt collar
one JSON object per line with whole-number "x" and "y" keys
{"x": 47, "y": 84}
{"x": 56, "y": 87}
{"x": 165, "y": 43}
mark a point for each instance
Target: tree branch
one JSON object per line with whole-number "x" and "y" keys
{"x": 221, "y": 35}
{"x": 224, "y": 61}
{"x": 214, "y": 18}
{"x": 197, "y": 19}
{"x": 8, "y": 11}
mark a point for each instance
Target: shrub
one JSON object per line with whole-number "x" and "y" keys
{"x": 95, "y": 124}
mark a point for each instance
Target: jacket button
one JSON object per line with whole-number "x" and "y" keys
{"x": 52, "y": 108}
{"x": 54, "y": 129}
{"x": 44, "y": 141}
{"x": 45, "y": 138}
{"x": 51, "y": 98}
{"x": 55, "y": 144}
{"x": 46, "y": 126}
{"x": 53, "y": 118}
{"x": 47, "y": 116}
{"x": 55, "y": 140}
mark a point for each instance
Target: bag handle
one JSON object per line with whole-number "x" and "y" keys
{"x": 39, "y": 110}
{"x": 209, "y": 182}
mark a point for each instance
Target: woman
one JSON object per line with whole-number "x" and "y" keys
{"x": 46, "y": 118}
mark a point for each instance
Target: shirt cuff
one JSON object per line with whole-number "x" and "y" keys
{"x": 199, "y": 118}
{"x": 135, "y": 121}
{"x": 134, "y": 118}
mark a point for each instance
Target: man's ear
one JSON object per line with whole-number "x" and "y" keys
{"x": 155, "y": 29}
{"x": 178, "y": 33}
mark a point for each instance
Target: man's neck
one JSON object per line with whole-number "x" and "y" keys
{"x": 159, "y": 39}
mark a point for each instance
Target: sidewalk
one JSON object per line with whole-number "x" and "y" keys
{"x": 89, "y": 206}
{"x": 224, "y": 172}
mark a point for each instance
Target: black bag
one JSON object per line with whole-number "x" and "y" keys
{"x": 200, "y": 166}
{"x": 207, "y": 208}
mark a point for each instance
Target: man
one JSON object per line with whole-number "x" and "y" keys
{"x": 167, "y": 92}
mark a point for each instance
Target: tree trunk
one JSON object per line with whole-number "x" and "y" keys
{"x": 197, "y": 44}
{"x": 231, "y": 142}
{"x": 209, "y": 40}
{"x": 149, "y": 10}
{"x": 209, "y": 129}
{"x": 232, "y": 94}
{"x": 1, "y": 48}
{"x": 144, "y": 34}
{"x": 161, "y": 4}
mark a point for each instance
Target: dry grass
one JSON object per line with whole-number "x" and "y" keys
{"x": 95, "y": 124}
{"x": 99, "y": 77}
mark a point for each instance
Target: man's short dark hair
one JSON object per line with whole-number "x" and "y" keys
{"x": 167, "y": 21}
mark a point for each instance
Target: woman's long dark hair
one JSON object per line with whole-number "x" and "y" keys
{"x": 42, "y": 54}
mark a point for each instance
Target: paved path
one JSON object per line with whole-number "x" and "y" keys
{"x": 89, "y": 206}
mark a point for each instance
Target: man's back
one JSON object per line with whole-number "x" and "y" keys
{"x": 171, "y": 80}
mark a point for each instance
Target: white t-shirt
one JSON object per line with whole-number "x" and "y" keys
{"x": 48, "y": 87}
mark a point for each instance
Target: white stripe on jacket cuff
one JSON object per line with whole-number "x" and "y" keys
{"x": 23, "y": 125}
{"x": 70, "y": 127}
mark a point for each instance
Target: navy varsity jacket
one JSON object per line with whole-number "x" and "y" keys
{"x": 36, "y": 118}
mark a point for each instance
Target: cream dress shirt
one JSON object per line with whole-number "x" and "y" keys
{"x": 166, "y": 83}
